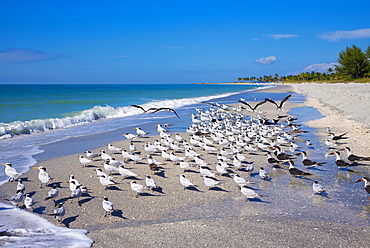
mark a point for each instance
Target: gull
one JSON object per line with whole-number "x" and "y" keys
{"x": 255, "y": 107}
{"x": 17, "y": 198}
{"x": 11, "y": 172}
{"x": 53, "y": 193}
{"x": 20, "y": 185}
{"x": 317, "y": 188}
{"x": 150, "y": 183}
{"x": 90, "y": 154}
{"x": 29, "y": 202}
{"x": 109, "y": 168}
{"x": 138, "y": 188}
{"x": 126, "y": 172}
{"x": 113, "y": 149}
{"x": 279, "y": 105}
{"x": 108, "y": 206}
{"x": 59, "y": 212}
{"x": 262, "y": 173}
{"x": 249, "y": 193}
{"x": 44, "y": 177}
{"x": 84, "y": 161}
{"x": 99, "y": 173}
{"x": 210, "y": 182}
{"x": 105, "y": 181}
{"x": 186, "y": 182}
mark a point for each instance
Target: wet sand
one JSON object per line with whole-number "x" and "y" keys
{"x": 198, "y": 217}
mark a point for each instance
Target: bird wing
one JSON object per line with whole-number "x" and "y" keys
{"x": 285, "y": 99}
{"x": 259, "y": 104}
{"x": 137, "y": 106}
{"x": 246, "y": 104}
{"x": 272, "y": 101}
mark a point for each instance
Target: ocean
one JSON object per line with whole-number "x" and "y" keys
{"x": 37, "y": 120}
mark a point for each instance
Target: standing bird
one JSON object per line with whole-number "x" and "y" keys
{"x": 262, "y": 173}
{"x": 20, "y": 185}
{"x": 210, "y": 182}
{"x": 249, "y": 193}
{"x": 53, "y": 193}
{"x": 186, "y": 182}
{"x": 76, "y": 194}
{"x": 126, "y": 172}
{"x": 84, "y": 161}
{"x": 138, "y": 188}
{"x": 307, "y": 162}
{"x": 367, "y": 183}
{"x": 17, "y": 198}
{"x": 352, "y": 157}
{"x": 11, "y": 172}
{"x": 113, "y": 149}
{"x": 29, "y": 202}
{"x": 150, "y": 183}
{"x": 337, "y": 137}
{"x": 91, "y": 155}
{"x": 279, "y": 105}
{"x": 296, "y": 172}
{"x": 317, "y": 188}
{"x": 339, "y": 161}
{"x": 44, "y": 177}
{"x": 108, "y": 206}
{"x": 105, "y": 181}
{"x": 59, "y": 212}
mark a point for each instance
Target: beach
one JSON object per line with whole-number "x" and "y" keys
{"x": 288, "y": 215}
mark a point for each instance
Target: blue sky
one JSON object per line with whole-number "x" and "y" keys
{"x": 174, "y": 41}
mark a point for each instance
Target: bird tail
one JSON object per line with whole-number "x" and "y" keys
{"x": 307, "y": 174}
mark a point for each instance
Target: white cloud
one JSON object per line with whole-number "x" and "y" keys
{"x": 283, "y": 36}
{"x": 319, "y": 67}
{"x": 266, "y": 61}
{"x": 25, "y": 55}
{"x": 354, "y": 34}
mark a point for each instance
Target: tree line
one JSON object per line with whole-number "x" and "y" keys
{"x": 353, "y": 63}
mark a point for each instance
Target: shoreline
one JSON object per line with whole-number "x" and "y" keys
{"x": 197, "y": 214}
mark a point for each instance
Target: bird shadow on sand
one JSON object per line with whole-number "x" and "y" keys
{"x": 158, "y": 189}
{"x": 39, "y": 210}
{"x": 69, "y": 220}
{"x": 114, "y": 188}
{"x": 160, "y": 174}
{"x": 146, "y": 194}
{"x": 118, "y": 213}
{"x": 218, "y": 189}
{"x": 192, "y": 188}
{"x": 85, "y": 200}
{"x": 257, "y": 200}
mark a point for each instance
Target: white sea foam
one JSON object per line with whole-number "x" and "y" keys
{"x": 29, "y": 230}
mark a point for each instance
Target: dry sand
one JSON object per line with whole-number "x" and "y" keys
{"x": 174, "y": 217}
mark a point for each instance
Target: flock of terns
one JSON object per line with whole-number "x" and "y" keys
{"x": 221, "y": 133}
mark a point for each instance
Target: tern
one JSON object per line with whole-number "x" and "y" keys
{"x": 249, "y": 193}
{"x": 53, "y": 193}
{"x": 59, "y": 212}
{"x": 11, "y": 172}
{"x": 29, "y": 202}
{"x": 84, "y": 161}
{"x": 317, "y": 188}
{"x": 126, "y": 172}
{"x": 186, "y": 182}
{"x": 210, "y": 182}
{"x": 44, "y": 177}
{"x": 138, "y": 188}
{"x": 105, "y": 181}
{"x": 107, "y": 206}
{"x": 17, "y": 198}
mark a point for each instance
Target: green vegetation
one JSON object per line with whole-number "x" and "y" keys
{"x": 353, "y": 65}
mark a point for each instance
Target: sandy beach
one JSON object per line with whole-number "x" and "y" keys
{"x": 220, "y": 217}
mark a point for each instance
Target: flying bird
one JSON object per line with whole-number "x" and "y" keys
{"x": 255, "y": 107}
{"x": 155, "y": 110}
{"x": 279, "y": 105}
